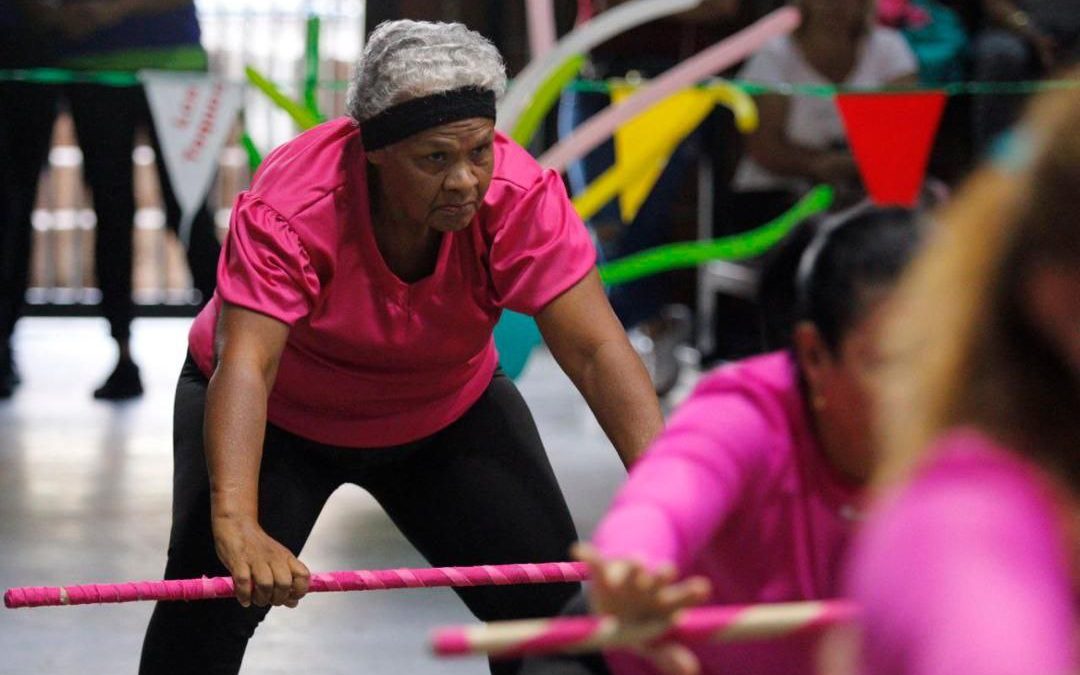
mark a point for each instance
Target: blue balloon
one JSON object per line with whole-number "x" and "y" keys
{"x": 516, "y": 335}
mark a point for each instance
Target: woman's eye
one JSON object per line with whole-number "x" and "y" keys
{"x": 481, "y": 152}
{"x": 437, "y": 157}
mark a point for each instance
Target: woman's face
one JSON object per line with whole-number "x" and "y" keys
{"x": 840, "y": 389}
{"x": 437, "y": 177}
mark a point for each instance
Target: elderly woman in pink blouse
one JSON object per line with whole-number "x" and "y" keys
{"x": 350, "y": 340}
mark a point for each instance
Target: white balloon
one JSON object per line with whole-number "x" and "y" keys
{"x": 579, "y": 41}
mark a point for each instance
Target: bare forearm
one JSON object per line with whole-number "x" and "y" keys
{"x": 618, "y": 390}
{"x": 235, "y": 429}
{"x": 770, "y": 146}
{"x": 590, "y": 345}
{"x": 783, "y": 157}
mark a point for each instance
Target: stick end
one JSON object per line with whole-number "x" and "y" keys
{"x": 450, "y": 642}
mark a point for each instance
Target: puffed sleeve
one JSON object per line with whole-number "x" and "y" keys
{"x": 264, "y": 266}
{"x": 540, "y": 247}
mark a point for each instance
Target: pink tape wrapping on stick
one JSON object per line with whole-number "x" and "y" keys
{"x": 732, "y": 623}
{"x": 361, "y": 580}
{"x": 725, "y": 53}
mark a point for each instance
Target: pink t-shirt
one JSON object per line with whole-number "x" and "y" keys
{"x": 372, "y": 361}
{"x": 965, "y": 570}
{"x": 738, "y": 490}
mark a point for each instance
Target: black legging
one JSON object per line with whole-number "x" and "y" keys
{"x": 479, "y": 491}
{"x": 106, "y": 119}
{"x": 27, "y": 113}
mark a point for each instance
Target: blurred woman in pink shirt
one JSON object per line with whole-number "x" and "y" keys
{"x": 753, "y": 491}
{"x": 969, "y": 566}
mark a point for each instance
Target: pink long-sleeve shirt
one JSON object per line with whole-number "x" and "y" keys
{"x": 371, "y": 360}
{"x": 966, "y": 569}
{"x": 738, "y": 490}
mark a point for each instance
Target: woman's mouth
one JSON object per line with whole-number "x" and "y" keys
{"x": 456, "y": 209}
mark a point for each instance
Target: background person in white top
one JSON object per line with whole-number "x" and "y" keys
{"x": 801, "y": 139}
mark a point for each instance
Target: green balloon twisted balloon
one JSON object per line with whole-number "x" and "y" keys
{"x": 737, "y": 247}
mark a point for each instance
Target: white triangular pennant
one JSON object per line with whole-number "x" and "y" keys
{"x": 193, "y": 115}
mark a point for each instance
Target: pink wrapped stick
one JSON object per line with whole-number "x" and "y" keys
{"x": 733, "y": 623}
{"x": 360, "y": 580}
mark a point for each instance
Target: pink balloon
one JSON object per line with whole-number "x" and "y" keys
{"x": 725, "y": 53}
{"x": 541, "y": 23}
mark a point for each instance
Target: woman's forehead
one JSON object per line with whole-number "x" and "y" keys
{"x": 472, "y": 130}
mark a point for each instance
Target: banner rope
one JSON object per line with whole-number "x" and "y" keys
{"x": 120, "y": 78}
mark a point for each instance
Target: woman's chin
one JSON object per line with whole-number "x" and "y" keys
{"x": 444, "y": 223}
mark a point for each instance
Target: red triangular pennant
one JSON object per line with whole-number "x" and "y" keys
{"x": 891, "y": 136}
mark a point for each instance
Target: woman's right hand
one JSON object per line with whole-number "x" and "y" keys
{"x": 631, "y": 593}
{"x": 264, "y": 572}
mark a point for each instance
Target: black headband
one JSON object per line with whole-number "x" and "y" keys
{"x": 400, "y": 121}
{"x": 808, "y": 262}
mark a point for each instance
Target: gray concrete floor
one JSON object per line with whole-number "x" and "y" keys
{"x": 85, "y": 493}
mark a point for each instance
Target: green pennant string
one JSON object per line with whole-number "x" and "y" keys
{"x": 736, "y": 247}
{"x": 129, "y": 79}
{"x": 112, "y": 78}
{"x": 829, "y": 90}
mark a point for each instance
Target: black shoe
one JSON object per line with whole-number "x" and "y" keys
{"x": 124, "y": 383}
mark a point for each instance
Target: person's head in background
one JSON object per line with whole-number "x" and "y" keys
{"x": 987, "y": 332}
{"x": 845, "y": 276}
{"x": 838, "y": 18}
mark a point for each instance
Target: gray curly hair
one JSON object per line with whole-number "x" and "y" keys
{"x": 407, "y": 59}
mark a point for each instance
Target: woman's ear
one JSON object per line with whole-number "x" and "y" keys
{"x": 813, "y": 356}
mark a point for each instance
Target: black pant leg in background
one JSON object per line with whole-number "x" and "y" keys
{"x": 27, "y": 115}
{"x": 483, "y": 492}
{"x": 105, "y": 121}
